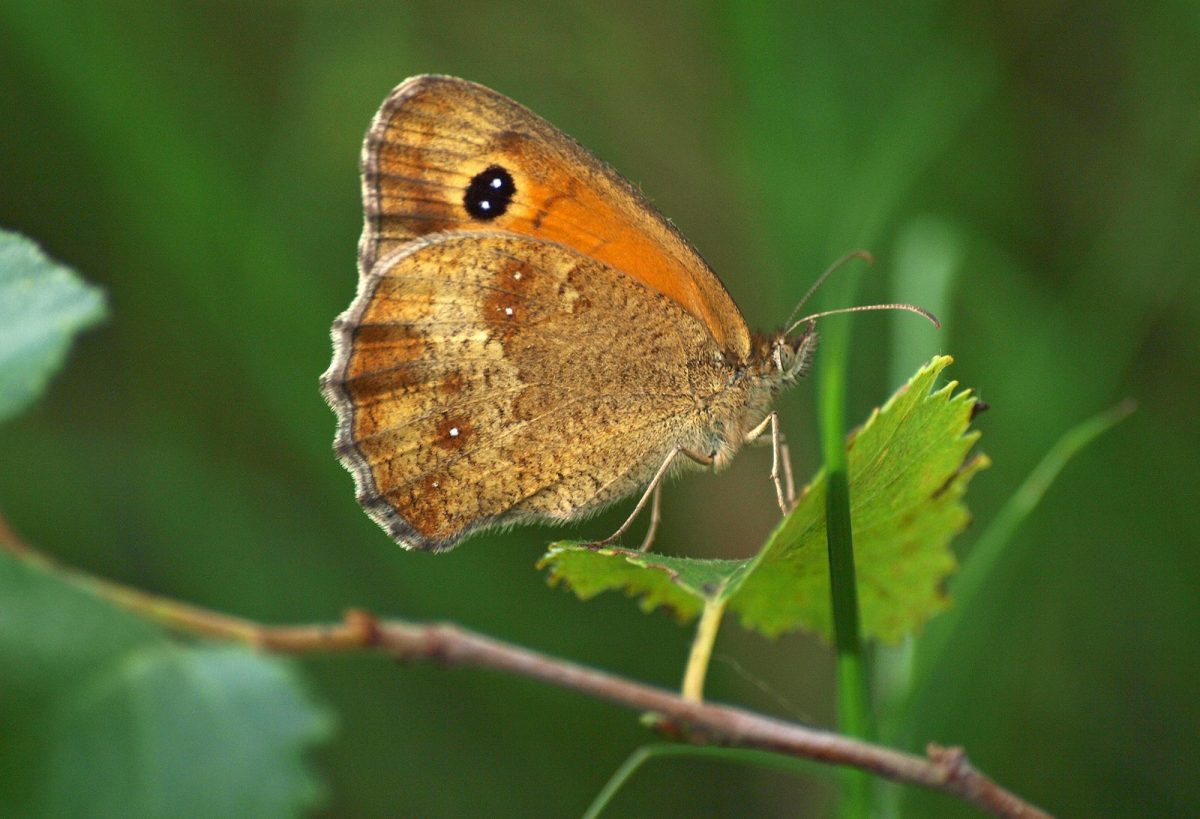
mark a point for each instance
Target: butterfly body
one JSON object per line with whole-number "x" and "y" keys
{"x": 530, "y": 341}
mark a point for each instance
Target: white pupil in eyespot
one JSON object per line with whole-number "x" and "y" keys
{"x": 496, "y": 183}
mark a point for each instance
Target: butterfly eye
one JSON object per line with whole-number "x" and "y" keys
{"x": 489, "y": 193}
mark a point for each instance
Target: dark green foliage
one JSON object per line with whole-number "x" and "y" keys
{"x": 198, "y": 161}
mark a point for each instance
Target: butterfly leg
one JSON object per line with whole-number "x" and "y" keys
{"x": 655, "y": 517}
{"x": 779, "y": 452}
{"x": 651, "y": 491}
{"x": 788, "y": 481}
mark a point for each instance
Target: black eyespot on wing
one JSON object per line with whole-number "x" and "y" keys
{"x": 489, "y": 193}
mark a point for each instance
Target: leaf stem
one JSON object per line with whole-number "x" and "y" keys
{"x": 702, "y": 646}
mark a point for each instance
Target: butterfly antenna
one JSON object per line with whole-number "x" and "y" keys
{"x": 912, "y": 308}
{"x": 854, "y": 254}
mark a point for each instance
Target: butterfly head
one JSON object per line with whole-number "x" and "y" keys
{"x": 786, "y": 356}
{"x": 791, "y": 354}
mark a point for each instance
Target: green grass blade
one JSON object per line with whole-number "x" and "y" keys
{"x": 853, "y": 693}
{"x": 929, "y": 255}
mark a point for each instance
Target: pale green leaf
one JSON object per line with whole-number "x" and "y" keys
{"x": 676, "y": 583}
{"x": 42, "y": 306}
{"x": 105, "y": 715}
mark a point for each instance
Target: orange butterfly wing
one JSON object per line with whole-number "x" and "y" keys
{"x": 439, "y": 144}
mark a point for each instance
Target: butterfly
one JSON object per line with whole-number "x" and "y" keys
{"x": 531, "y": 340}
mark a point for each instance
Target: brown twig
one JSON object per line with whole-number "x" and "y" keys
{"x": 942, "y": 769}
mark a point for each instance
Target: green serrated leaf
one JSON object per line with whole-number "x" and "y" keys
{"x": 42, "y": 306}
{"x": 679, "y": 584}
{"x": 908, "y": 471}
{"x": 909, "y": 468}
{"x": 105, "y": 715}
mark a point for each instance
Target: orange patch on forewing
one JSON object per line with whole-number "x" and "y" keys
{"x": 585, "y": 222}
{"x": 556, "y": 207}
{"x": 437, "y": 133}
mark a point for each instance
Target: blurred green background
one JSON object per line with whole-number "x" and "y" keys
{"x": 199, "y": 160}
